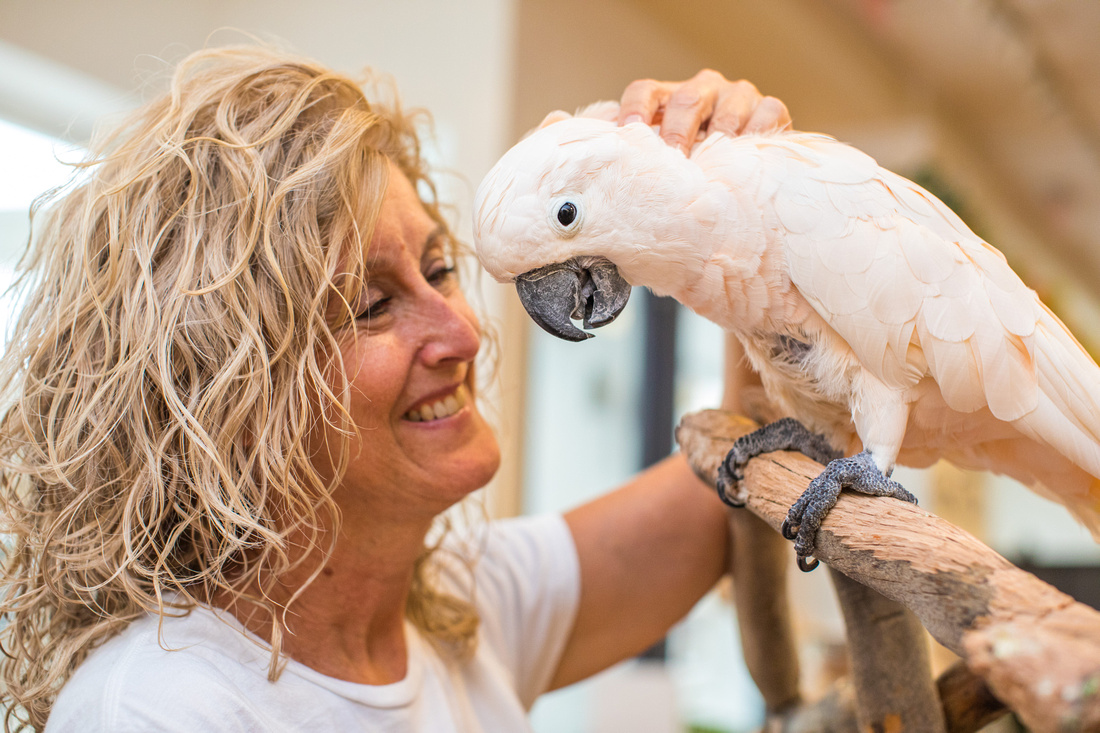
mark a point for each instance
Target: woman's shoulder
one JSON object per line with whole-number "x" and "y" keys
{"x": 506, "y": 551}
{"x": 526, "y": 586}
{"x": 170, "y": 673}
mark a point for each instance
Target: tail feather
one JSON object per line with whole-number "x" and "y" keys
{"x": 1047, "y": 473}
{"x": 1068, "y": 415}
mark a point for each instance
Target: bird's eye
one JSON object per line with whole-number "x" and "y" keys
{"x": 567, "y": 213}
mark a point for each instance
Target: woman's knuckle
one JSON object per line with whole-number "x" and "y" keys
{"x": 642, "y": 87}
{"x": 744, "y": 86}
{"x": 776, "y": 107}
{"x": 686, "y": 96}
{"x": 710, "y": 75}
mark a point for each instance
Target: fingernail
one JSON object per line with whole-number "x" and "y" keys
{"x": 632, "y": 118}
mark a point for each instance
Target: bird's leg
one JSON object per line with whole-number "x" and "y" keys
{"x": 859, "y": 473}
{"x": 784, "y": 434}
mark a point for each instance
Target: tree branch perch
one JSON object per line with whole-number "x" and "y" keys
{"x": 1036, "y": 648}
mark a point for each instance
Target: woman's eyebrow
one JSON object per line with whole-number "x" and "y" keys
{"x": 430, "y": 240}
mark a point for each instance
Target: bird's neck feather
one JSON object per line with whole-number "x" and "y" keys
{"x": 702, "y": 242}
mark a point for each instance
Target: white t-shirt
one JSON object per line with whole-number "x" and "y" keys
{"x": 206, "y": 673}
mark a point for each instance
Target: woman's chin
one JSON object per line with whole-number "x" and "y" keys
{"x": 478, "y": 467}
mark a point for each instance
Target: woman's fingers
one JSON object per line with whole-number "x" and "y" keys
{"x": 735, "y": 107}
{"x": 707, "y": 102}
{"x": 689, "y": 108}
{"x": 770, "y": 115}
{"x": 641, "y": 100}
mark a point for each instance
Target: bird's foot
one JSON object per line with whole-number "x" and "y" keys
{"x": 859, "y": 473}
{"x": 785, "y": 434}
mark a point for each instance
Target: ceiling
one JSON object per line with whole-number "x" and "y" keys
{"x": 1007, "y": 92}
{"x": 1019, "y": 80}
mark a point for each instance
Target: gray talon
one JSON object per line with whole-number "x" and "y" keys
{"x": 727, "y": 485}
{"x": 785, "y": 434}
{"x": 859, "y": 473}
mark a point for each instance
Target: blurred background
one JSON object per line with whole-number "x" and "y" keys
{"x": 994, "y": 105}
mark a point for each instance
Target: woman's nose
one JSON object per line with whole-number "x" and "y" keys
{"x": 452, "y": 330}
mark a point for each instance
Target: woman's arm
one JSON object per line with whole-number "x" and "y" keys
{"x": 651, "y": 549}
{"x": 648, "y": 551}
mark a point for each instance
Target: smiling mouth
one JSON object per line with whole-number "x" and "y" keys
{"x": 441, "y": 408}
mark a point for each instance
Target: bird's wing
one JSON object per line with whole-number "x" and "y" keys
{"x": 914, "y": 292}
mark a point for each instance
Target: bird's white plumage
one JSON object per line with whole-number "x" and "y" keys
{"x": 922, "y": 341}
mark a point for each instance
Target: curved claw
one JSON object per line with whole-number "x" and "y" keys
{"x": 806, "y": 564}
{"x": 730, "y": 501}
{"x": 726, "y": 481}
{"x": 586, "y": 288}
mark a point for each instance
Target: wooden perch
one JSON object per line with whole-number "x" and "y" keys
{"x": 759, "y": 560}
{"x": 968, "y": 707}
{"x": 1036, "y": 648}
{"x": 891, "y": 686}
{"x": 891, "y": 666}
{"x": 758, "y": 568}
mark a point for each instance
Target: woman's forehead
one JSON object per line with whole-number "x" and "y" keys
{"x": 403, "y": 225}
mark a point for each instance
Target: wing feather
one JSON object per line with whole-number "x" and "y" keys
{"x": 929, "y": 265}
{"x": 936, "y": 300}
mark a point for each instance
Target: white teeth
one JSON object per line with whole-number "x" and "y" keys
{"x": 445, "y": 407}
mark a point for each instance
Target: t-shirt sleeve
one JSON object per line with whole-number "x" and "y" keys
{"x": 528, "y": 588}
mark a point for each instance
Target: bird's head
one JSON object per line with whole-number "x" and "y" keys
{"x": 558, "y": 216}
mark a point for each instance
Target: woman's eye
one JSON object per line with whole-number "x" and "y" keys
{"x": 441, "y": 274}
{"x": 376, "y": 309}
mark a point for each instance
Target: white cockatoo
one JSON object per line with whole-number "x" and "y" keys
{"x": 871, "y": 312}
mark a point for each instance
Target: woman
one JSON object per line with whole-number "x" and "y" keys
{"x": 242, "y": 395}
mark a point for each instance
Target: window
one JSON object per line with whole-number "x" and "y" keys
{"x": 32, "y": 164}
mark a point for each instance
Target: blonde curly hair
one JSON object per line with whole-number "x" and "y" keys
{"x": 166, "y": 366}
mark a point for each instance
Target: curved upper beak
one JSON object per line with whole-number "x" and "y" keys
{"x": 589, "y": 289}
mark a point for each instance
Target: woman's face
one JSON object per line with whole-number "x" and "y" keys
{"x": 422, "y": 444}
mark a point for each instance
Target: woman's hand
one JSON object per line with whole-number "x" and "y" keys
{"x": 707, "y": 102}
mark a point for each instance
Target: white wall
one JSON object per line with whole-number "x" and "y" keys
{"x": 452, "y": 58}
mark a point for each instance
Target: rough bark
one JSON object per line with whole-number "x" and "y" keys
{"x": 759, "y": 564}
{"x": 968, "y": 707}
{"x": 891, "y": 666}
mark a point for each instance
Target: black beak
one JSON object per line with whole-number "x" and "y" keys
{"x": 583, "y": 288}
